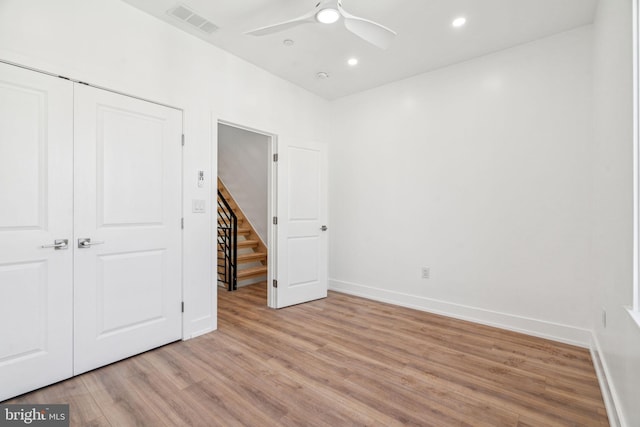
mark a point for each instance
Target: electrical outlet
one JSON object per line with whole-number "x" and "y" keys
{"x": 425, "y": 272}
{"x": 604, "y": 317}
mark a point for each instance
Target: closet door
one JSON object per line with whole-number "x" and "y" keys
{"x": 128, "y": 156}
{"x": 36, "y": 184}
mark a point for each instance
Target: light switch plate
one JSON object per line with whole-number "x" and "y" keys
{"x": 198, "y": 206}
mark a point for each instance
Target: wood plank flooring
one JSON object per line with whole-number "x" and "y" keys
{"x": 341, "y": 361}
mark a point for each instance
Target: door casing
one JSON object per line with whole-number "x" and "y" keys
{"x": 272, "y": 148}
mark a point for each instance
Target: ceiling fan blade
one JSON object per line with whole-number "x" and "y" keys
{"x": 372, "y": 32}
{"x": 274, "y": 28}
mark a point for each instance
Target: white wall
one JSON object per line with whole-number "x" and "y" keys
{"x": 618, "y": 343}
{"x": 481, "y": 172}
{"x": 243, "y": 165}
{"x": 109, "y": 43}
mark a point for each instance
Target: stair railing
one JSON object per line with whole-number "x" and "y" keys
{"x": 227, "y": 244}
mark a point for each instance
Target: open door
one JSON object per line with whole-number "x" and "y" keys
{"x": 302, "y": 223}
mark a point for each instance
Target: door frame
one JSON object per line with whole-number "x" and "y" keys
{"x": 272, "y": 199}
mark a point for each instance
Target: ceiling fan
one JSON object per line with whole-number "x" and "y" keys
{"x": 330, "y": 11}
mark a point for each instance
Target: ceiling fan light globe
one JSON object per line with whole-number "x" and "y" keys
{"x": 327, "y": 16}
{"x": 459, "y": 22}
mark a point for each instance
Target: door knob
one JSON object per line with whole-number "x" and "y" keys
{"x": 86, "y": 242}
{"x": 58, "y": 244}
{"x": 323, "y": 228}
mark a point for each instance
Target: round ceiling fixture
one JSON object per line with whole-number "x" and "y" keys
{"x": 353, "y": 62}
{"x": 459, "y": 22}
{"x": 322, "y": 75}
{"x": 288, "y": 42}
{"x": 327, "y": 16}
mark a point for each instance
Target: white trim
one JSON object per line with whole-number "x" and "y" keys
{"x": 75, "y": 80}
{"x": 247, "y": 128}
{"x": 272, "y": 234}
{"x": 213, "y": 220}
{"x": 609, "y": 394}
{"x": 636, "y": 153}
{"x": 201, "y": 332}
{"x": 535, "y": 327}
{"x": 635, "y": 315}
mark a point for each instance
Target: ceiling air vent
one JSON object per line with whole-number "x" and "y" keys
{"x": 188, "y": 16}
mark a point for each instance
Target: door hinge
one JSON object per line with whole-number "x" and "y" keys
{"x": 275, "y": 220}
{"x": 275, "y": 157}
{"x": 275, "y": 283}
{"x": 182, "y": 223}
{"x": 182, "y": 306}
{"x": 183, "y": 139}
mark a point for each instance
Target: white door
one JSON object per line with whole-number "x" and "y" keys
{"x": 36, "y": 184}
{"x": 127, "y": 279}
{"x": 302, "y": 220}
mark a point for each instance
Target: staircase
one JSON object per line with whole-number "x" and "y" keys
{"x": 251, "y": 251}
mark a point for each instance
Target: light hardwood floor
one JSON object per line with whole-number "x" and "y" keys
{"x": 341, "y": 361}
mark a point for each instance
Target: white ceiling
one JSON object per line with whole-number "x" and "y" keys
{"x": 426, "y": 40}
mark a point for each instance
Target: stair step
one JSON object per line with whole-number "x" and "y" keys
{"x": 225, "y": 226}
{"x": 225, "y": 214}
{"x": 233, "y": 207}
{"x": 248, "y": 244}
{"x": 221, "y": 206}
{"x": 254, "y": 257}
{"x": 242, "y": 231}
{"x": 252, "y": 272}
{"x": 240, "y": 218}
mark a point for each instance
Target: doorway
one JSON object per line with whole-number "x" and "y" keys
{"x": 297, "y": 215}
{"x": 246, "y": 175}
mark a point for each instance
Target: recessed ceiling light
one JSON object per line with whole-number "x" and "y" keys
{"x": 328, "y": 16}
{"x": 353, "y": 62}
{"x": 288, "y": 42}
{"x": 322, "y": 75}
{"x": 459, "y": 22}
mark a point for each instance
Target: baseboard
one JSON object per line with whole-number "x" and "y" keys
{"x": 609, "y": 395}
{"x": 539, "y": 328}
{"x": 200, "y": 332}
